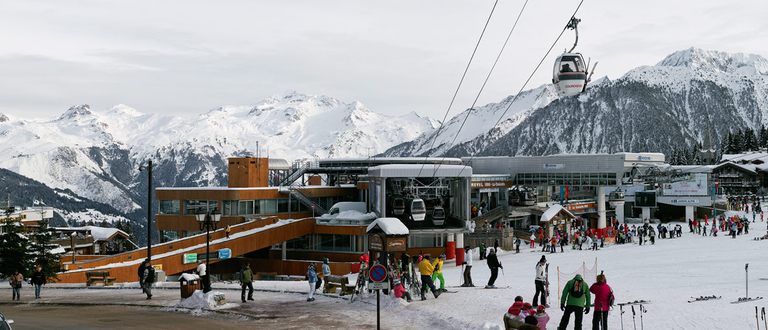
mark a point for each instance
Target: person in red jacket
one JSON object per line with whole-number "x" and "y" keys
{"x": 603, "y": 302}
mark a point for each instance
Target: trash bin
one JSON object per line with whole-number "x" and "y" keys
{"x": 188, "y": 284}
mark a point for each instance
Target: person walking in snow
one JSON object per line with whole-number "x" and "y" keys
{"x": 533, "y": 241}
{"x": 494, "y": 265}
{"x": 312, "y": 279}
{"x": 140, "y": 274}
{"x": 38, "y": 280}
{"x": 15, "y": 281}
{"x": 468, "y": 256}
{"x": 228, "y": 230}
{"x": 148, "y": 278}
{"x": 517, "y": 245}
{"x": 603, "y": 302}
{"x": 575, "y": 299}
{"x": 437, "y": 274}
{"x": 246, "y": 281}
{"x": 483, "y": 250}
{"x": 540, "y": 282}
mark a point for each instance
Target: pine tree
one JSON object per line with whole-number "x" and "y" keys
{"x": 41, "y": 249}
{"x": 762, "y": 139}
{"x": 696, "y": 155}
{"x": 750, "y": 140}
{"x": 13, "y": 249}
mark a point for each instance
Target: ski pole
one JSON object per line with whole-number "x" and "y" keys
{"x": 757, "y": 320}
{"x": 621, "y": 315}
{"x": 634, "y": 325}
{"x": 642, "y": 311}
{"x": 504, "y": 276}
{"x": 461, "y": 276}
{"x": 765, "y": 322}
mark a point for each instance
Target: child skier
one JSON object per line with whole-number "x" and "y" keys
{"x": 542, "y": 317}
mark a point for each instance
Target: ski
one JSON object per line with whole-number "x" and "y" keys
{"x": 743, "y": 300}
{"x": 702, "y": 298}
{"x": 546, "y": 284}
{"x": 636, "y": 302}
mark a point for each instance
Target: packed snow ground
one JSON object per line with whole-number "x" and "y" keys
{"x": 668, "y": 274}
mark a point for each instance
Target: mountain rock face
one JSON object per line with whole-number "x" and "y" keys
{"x": 676, "y": 103}
{"x": 97, "y": 155}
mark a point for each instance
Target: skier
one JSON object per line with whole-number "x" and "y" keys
{"x": 517, "y": 245}
{"x": 246, "y": 281}
{"x": 312, "y": 279}
{"x": 496, "y": 245}
{"x": 38, "y": 280}
{"x": 575, "y": 299}
{"x": 426, "y": 268}
{"x": 483, "y": 249}
{"x": 148, "y": 278}
{"x": 652, "y": 235}
{"x": 533, "y": 241}
{"x": 400, "y": 291}
{"x": 438, "y": 272}
{"x": 468, "y": 256}
{"x": 603, "y": 302}
{"x": 540, "y": 282}
{"x": 494, "y": 265}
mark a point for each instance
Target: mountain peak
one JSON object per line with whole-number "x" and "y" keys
{"x": 76, "y": 111}
{"x": 697, "y": 58}
{"x": 126, "y": 110}
{"x": 4, "y": 118}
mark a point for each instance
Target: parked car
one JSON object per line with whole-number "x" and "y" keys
{"x": 5, "y": 324}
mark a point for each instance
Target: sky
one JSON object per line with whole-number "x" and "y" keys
{"x": 187, "y": 57}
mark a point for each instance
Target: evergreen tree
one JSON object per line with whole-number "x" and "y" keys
{"x": 762, "y": 139}
{"x": 41, "y": 249}
{"x": 696, "y": 155}
{"x": 13, "y": 249}
{"x": 750, "y": 140}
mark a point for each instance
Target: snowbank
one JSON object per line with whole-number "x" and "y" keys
{"x": 213, "y": 300}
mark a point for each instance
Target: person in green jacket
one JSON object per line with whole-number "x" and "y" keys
{"x": 575, "y": 299}
{"x": 246, "y": 281}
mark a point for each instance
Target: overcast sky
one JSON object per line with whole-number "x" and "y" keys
{"x": 395, "y": 56}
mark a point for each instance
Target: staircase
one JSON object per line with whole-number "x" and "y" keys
{"x": 295, "y": 175}
{"x": 491, "y": 216}
{"x": 307, "y": 202}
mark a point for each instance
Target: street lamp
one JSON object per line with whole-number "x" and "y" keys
{"x": 207, "y": 221}
{"x": 72, "y": 242}
{"x": 148, "y": 168}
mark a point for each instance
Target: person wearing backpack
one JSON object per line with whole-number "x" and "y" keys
{"x": 575, "y": 299}
{"x": 148, "y": 278}
{"x": 603, "y": 301}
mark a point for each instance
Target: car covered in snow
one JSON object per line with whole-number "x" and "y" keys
{"x": 5, "y": 324}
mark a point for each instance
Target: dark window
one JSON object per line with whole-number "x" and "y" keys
{"x": 169, "y": 207}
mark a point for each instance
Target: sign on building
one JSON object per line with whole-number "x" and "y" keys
{"x": 694, "y": 185}
{"x": 225, "y": 254}
{"x": 190, "y": 258}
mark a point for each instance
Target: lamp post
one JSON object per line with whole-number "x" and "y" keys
{"x": 207, "y": 221}
{"x": 72, "y": 242}
{"x": 148, "y": 168}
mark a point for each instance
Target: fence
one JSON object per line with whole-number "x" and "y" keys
{"x": 589, "y": 274}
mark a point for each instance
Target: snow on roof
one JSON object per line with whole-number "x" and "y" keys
{"x": 420, "y": 170}
{"x": 746, "y": 167}
{"x": 390, "y": 226}
{"x": 553, "y": 211}
{"x": 98, "y": 233}
{"x": 194, "y": 247}
{"x": 278, "y": 164}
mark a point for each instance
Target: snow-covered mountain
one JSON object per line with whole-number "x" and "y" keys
{"x": 675, "y": 103}
{"x": 97, "y": 154}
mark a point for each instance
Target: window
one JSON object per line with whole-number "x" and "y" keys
{"x": 268, "y": 206}
{"x": 282, "y": 205}
{"x": 169, "y": 207}
{"x": 425, "y": 240}
{"x": 230, "y": 208}
{"x": 246, "y": 207}
{"x": 325, "y": 242}
{"x": 191, "y": 207}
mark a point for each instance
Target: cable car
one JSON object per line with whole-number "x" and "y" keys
{"x": 398, "y": 206}
{"x": 418, "y": 209}
{"x": 616, "y": 198}
{"x": 571, "y": 74}
{"x": 438, "y": 216}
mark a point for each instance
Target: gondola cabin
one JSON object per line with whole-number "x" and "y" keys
{"x": 570, "y": 74}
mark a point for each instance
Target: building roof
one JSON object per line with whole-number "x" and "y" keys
{"x": 278, "y": 164}
{"x": 390, "y": 226}
{"x": 98, "y": 233}
{"x": 419, "y": 170}
{"x": 553, "y": 211}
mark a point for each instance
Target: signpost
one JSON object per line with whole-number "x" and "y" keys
{"x": 378, "y": 276}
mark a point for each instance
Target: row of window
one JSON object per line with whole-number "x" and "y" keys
{"x": 327, "y": 242}
{"x": 233, "y": 207}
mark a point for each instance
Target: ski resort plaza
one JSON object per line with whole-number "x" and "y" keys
{"x": 278, "y": 218}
